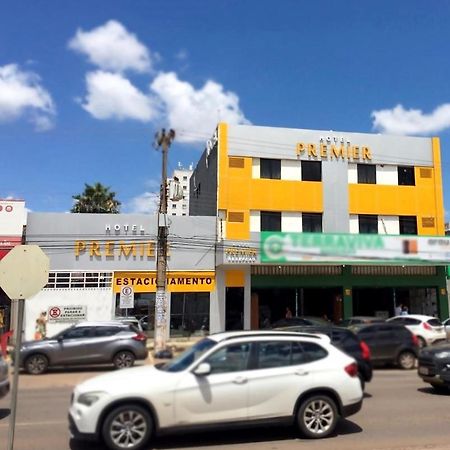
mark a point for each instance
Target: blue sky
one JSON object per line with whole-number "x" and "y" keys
{"x": 84, "y": 85}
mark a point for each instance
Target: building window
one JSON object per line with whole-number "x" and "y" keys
{"x": 189, "y": 313}
{"x": 71, "y": 280}
{"x": 270, "y": 168}
{"x": 368, "y": 223}
{"x": 311, "y": 171}
{"x": 408, "y": 224}
{"x": 184, "y": 178}
{"x": 184, "y": 187}
{"x": 312, "y": 222}
{"x": 367, "y": 174}
{"x": 270, "y": 221}
{"x": 406, "y": 176}
{"x": 174, "y": 206}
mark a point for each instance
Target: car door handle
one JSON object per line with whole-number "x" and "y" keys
{"x": 301, "y": 373}
{"x": 240, "y": 380}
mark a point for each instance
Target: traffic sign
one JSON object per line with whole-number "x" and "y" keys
{"x": 24, "y": 271}
{"x": 126, "y": 297}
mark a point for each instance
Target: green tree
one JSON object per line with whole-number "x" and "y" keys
{"x": 96, "y": 199}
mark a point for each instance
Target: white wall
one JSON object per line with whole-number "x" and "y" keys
{"x": 354, "y": 224}
{"x": 387, "y": 174}
{"x": 99, "y": 302}
{"x": 391, "y": 225}
{"x": 352, "y": 173}
{"x": 256, "y": 168}
{"x": 291, "y": 170}
{"x": 255, "y": 221}
{"x": 291, "y": 222}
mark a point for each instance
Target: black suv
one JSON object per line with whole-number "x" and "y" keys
{"x": 434, "y": 366}
{"x": 346, "y": 341}
{"x": 389, "y": 343}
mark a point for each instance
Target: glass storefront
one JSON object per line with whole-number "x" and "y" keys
{"x": 144, "y": 310}
{"x": 189, "y": 314}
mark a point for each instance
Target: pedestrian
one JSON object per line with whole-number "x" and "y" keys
{"x": 288, "y": 313}
{"x": 398, "y": 310}
{"x": 405, "y": 311}
{"x": 40, "y": 331}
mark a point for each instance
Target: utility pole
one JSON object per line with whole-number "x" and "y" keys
{"x": 163, "y": 141}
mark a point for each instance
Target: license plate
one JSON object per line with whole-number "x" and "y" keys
{"x": 423, "y": 370}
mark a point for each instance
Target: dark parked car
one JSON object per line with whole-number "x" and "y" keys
{"x": 86, "y": 343}
{"x": 300, "y": 320}
{"x": 4, "y": 379}
{"x": 389, "y": 343}
{"x": 345, "y": 340}
{"x": 434, "y": 366}
{"x": 356, "y": 320}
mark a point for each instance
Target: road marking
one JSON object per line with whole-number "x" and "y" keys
{"x": 34, "y": 424}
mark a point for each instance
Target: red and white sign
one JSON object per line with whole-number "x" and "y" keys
{"x": 54, "y": 312}
{"x": 73, "y": 314}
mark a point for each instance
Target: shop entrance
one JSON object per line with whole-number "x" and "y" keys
{"x": 318, "y": 302}
{"x": 234, "y": 308}
{"x": 381, "y": 302}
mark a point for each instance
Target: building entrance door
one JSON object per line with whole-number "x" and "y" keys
{"x": 234, "y": 308}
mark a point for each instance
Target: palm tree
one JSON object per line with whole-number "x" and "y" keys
{"x": 96, "y": 199}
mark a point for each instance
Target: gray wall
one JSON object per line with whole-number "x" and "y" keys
{"x": 203, "y": 201}
{"x": 280, "y": 143}
{"x": 191, "y": 240}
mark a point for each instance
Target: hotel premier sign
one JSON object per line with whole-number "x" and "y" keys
{"x": 126, "y": 247}
{"x": 333, "y": 147}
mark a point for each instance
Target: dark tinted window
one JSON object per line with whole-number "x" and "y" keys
{"x": 270, "y": 168}
{"x": 367, "y": 174}
{"x": 406, "y": 176}
{"x": 434, "y": 322}
{"x": 408, "y": 224}
{"x": 298, "y": 355}
{"x": 406, "y": 321}
{"x": 312, "y": 222}
{"x": 106, "y": 331}
{"x": 274, "y": 354}
{"x": 368, "y": 223}
{"x": 232, "y": 358}
{"x": 313, "y": 351}
{"x": 311, "y": 171}
{"x": 77, "y": 333}
{"x": 270, "y": 221}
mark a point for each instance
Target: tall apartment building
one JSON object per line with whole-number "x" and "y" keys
{"x": 180, "y": 207}
{"x": 262, "y": 179}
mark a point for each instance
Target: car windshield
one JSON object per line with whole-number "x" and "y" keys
{"x": 189, "y": 356}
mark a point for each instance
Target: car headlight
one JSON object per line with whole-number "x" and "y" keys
{"x": 89, "y": 398}
{"x": 443, "y": 354}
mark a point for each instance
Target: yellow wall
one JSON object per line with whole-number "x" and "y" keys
{"x": 239, "y": 192}
{"x": 234, "y": 278}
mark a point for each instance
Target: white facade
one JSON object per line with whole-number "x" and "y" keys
{"x": 180, "y": 207}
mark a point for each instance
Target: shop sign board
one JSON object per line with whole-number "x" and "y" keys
{"x": 278, "y": 247}
{"x": 175, "y": 282}
{"x": 126, "y": 297}
{"x": 72, "y": 313}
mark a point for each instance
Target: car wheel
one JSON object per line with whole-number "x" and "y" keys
{"x": 123, "y": 359}
{"x": 127, "y": 427}
{"x": 422, "y": 342}
{"x": 406, "y": 360}
{"x": 36, "y": 364}
{"x": 317, "y": 416}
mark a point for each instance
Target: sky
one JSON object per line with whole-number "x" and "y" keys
{"x": 86, "y": 84}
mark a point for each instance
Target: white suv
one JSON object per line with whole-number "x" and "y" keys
{"x": 428, "y": 329}
{"x": 224, "y": 379}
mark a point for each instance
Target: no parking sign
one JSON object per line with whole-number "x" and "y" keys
{"x": 126, "y": 297}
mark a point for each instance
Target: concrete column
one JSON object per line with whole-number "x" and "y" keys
{"x": 217, "y": 304}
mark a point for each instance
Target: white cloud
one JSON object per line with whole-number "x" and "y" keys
{"x": 146, "y": 203}
{"x": 112, "y": 47}
{"x": 111, "y": 96}
{"x": 399, "y": 120}
{"x": 195, "y": 113}
{"x": 21, "y": 94}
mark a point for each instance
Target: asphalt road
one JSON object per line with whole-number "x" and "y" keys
{"x": 400, "y": 412}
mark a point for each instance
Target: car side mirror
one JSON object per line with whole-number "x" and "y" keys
{"x": 202, "y": 369}
{"x": 60, "y": 338}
